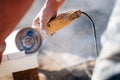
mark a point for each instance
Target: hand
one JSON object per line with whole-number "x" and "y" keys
{"x": 44, "y": 16}
{"x": 48, "y": 11}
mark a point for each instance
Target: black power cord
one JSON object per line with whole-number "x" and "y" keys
{"x": 94, "y": 33}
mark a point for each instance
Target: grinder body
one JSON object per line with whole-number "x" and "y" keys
{"x": 30, "y": 39}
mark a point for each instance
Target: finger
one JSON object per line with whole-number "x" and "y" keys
{"x": 44, "y": 27}
{"x": 36, "y": 23}
{"x": 44, "y": 22}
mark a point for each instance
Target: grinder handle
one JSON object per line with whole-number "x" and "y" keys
{"x": 62, "y": 20}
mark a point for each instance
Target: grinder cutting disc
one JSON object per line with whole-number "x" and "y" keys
{"x": 28, "y": 39}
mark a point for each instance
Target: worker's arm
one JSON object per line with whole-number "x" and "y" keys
{"x": 11, "y": 12}
{"x": 48, "y": 11}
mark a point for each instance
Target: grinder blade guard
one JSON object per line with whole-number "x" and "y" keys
{"x": 28, "y": 39}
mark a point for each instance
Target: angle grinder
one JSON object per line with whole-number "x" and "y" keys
{"x": 29, "y": 39}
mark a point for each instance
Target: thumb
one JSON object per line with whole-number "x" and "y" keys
{"x": 36, "y": 23}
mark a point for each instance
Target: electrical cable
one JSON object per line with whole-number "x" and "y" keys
{"x": 94, "y": 33}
